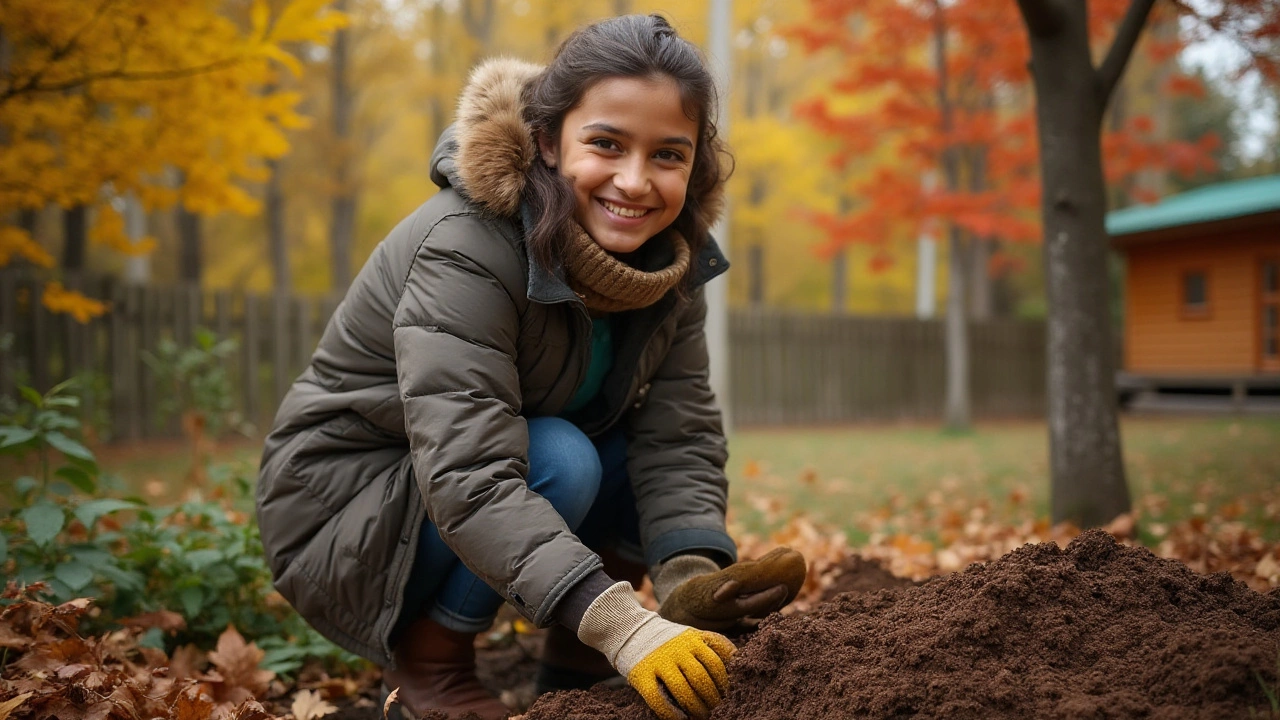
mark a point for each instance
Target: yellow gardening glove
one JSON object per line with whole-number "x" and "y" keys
{"x": 693, "y": 590}
{"x": 657, "y": 655}
{"x": 690, "y": 667}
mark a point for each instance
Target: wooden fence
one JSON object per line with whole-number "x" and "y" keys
{"x": 787, "y": 368}
{"x": 795, "y": 368}
{"x": 276, "y": 335}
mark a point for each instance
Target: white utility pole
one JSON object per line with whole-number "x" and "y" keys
{"x": 926, "y": 275}
{"x": 927, "y": 257}
{"x": 137, "y": 268}
{"x": 719, "y": 31}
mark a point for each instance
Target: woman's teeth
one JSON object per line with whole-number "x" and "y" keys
{"x": 624, "y": 212}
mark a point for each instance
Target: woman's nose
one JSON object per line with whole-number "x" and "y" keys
{"x": 633, "y": 178}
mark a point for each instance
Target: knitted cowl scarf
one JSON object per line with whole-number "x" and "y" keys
{"x": 607, "y": 284}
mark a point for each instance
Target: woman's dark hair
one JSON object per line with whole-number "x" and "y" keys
{"x": 631, "y": 46}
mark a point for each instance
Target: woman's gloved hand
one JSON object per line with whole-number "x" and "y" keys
{"x": 656, "y": 655}
{"x": 693, "y": 590}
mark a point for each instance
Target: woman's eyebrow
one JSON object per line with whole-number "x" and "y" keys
{"x": 607, "y": 128}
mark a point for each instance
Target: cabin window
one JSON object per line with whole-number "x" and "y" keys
{"x": 1195, "y": 293}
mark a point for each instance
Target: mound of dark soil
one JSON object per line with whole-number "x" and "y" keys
{"x": 864, "y": 575}
{"x": 1096, "y": 631}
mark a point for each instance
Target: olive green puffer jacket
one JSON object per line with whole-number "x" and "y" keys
{"x": 415, "y": 403}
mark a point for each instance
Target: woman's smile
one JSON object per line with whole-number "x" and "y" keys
{"x": 626, "y": 213}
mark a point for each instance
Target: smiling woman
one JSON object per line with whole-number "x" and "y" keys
{"x": 512, "y": 402}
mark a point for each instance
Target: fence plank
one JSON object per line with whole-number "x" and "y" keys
{"x": 303, "y": 341}
{"x": 788, "y": 367}
{"x": 8, "y": 330}
{"x": 280, "y": 347}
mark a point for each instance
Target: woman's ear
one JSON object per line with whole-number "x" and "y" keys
{"x": 547, "y": 148}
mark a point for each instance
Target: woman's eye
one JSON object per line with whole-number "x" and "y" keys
{"x": 605, "y": 144}
{"x": 670, "y": 156}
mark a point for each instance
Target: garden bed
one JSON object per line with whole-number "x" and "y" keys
{"x": 1097, "y": 630}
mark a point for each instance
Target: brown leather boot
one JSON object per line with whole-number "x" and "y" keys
{"x": 436, "y": 670}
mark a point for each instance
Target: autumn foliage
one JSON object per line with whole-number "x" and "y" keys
{"x": 933, "y": 111}
{"x": 169, "y": 102}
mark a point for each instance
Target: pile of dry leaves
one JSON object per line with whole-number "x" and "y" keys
{"x": 51, "y": 670}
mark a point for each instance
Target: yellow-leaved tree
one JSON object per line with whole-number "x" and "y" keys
{"x": 165, "y": 102}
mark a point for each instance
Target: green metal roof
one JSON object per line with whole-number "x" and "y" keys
{"x": 1235, "y": 198}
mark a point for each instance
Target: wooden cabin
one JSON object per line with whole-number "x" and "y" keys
{"x": 1202, "y": 293}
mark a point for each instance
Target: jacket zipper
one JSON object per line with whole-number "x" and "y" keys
{"x": 632, "y": 381}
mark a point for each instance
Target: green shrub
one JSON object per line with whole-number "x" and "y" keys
{"x": 201, "y": 558}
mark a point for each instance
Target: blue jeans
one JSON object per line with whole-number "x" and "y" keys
{"x": 584, "y": 480}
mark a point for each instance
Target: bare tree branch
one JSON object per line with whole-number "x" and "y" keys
{"x": 33, "y": 86}
{"x": 1135, "y": 18}
{"x": 1043, "y": 17}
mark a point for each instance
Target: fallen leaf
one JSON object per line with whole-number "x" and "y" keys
{"x": 237, "y": 663}
{"x": 308, "y": 705}
{"x": 12, "y": 704}
{"x": 1122, "y": 526}
{"x": 250, "y": 710}
{"x": 386, "y": 706}
{"x": 186, "y": 662}
{"x": 166, "y": 620}
{"x": 1268, "y": 569}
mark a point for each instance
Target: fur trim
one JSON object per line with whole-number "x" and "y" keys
{"x": 495, "y": 145}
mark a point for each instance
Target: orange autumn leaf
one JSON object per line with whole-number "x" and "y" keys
{"x": 58, "y": 299}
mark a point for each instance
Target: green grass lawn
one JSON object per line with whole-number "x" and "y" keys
{"x": 1177, "y": 468}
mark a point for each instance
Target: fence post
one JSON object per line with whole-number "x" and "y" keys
{"x": 251, "y": 354}
{"x": 279, "y": 348}
{"x": 8, "y": 328}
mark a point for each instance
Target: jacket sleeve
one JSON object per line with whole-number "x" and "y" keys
{"x": 456, "y": 330}
{"x": 676, "y": 451}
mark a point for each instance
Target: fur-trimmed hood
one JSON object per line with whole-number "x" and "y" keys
{"x": 487, "y": 152}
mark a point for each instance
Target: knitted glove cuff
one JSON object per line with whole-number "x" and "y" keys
{"x": 619, "y": 627}
{"x": 669, "y": 575}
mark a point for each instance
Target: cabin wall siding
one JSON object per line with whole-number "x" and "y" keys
{"x": 1159, "y": 338}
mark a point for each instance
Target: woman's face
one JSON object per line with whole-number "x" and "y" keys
{"x": 627, "y": 148}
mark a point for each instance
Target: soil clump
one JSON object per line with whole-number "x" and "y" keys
{"x": 1097, "y": 630}
{"x": 863, "y": 575}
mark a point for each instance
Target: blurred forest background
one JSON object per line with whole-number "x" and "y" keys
{"x": 301, "y": 132}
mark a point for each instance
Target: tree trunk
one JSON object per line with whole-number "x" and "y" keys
{"x": 980, "y": 286}
{"x": 755, "y": 272}
{"x": 958, "y": 412}
{"x": 839, "y": 281}
{"x": 279, "y": 247}
{"x": 1086, "y": 465}
{"x": 29, "y": 220}
{"x": 436, "y": 105}
{"x": 190, "y": 239}
{"x": 74, "y": 235}
{"x": 342, "y": 221}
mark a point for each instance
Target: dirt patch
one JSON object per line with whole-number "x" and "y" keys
{"x": 1098, "y": 630}
{"x": 863, "y": 575}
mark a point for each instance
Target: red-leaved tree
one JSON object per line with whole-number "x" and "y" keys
{"x": 945, "y": 92}
{"x": 946, "y": 136}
